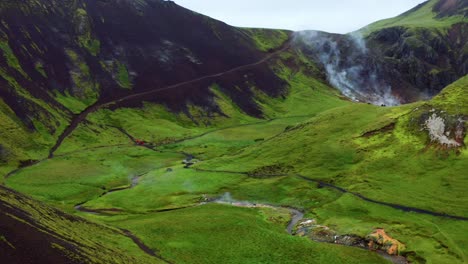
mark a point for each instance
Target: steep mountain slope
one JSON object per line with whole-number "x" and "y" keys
{"x": 58, "y": 59}
{"x": 98, "y": 50}
{"x": 424, "y": 49}
{"x": 399, "y": 60}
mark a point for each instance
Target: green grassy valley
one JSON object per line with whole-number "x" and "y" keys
{"x": 118, "y": 148}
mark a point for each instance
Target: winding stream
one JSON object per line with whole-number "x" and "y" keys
{"x": 134, "y": 182}
{"x": 296, "y": 217}
{"x": 226, "y": 199}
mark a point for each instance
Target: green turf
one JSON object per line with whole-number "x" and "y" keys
{"x": 72, "y": 103}
{"x": 162, "y": 189}
{"x": 266, "y": 39}
{"x": 71, "y": 179}
{"x": 236, "y": 235}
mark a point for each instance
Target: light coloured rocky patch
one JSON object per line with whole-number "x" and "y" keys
{"x": 436, "y": 126}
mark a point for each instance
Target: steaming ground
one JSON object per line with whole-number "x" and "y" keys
{"x": 349, "y": 66}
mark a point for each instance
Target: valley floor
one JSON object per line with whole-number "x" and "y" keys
{"x": 318, "y": 179}
{"x": 180, "y": 200}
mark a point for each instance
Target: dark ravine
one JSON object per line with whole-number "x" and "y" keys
{"x": 140, "y": 244}
{"x": 143, "y": 246}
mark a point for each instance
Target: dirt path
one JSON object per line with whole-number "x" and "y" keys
{"x": 82, "y": 116}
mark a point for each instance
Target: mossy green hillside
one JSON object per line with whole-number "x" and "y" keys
{"x": 156, "y": 124}
{"x": 453, "y": 98}
{"x": 88, "y": 242}
{"x": 421, "y": 17}
{"x": 20, "y": 143}
{"x": 266, "y": 39}
{"x": 357, "y": 147}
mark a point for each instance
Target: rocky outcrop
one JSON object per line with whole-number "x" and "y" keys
{"x": 419, "y": 62}
{"x": 377, "y": 240}
{"x": 446, "y": 8}
{"x": 444, "y": 130}
{"x": 349, "y": 66}
{"x": 320, "y": 233}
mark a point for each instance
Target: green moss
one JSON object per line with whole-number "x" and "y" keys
{"x": 4, "y": 240}
{"x": 358, "y": 147}
{"x": 17, "y": 141}
{"x": 84, "y": 86}
{"x": 72, "y": 103}
{"x": 162, "y": 189}
{"x": 10, "y": 57}
{"x": 266, "y": 39}
{"x": 47, "y": 115}
{"x": 453, "y": 98}
{"x": 40, "y": 68}
{"x": 85, "y": 39}
{"x": 123, "y": 76}
{"x": 87, "y": 176}
{"x": 92, "y": 45}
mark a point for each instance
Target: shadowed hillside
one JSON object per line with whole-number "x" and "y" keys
{"x": 32, "y": 232}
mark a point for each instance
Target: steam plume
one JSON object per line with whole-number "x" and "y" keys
{"x": 348, "y": 65}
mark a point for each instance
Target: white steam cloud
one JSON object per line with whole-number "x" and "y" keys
{"x": 349, "y": 66}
